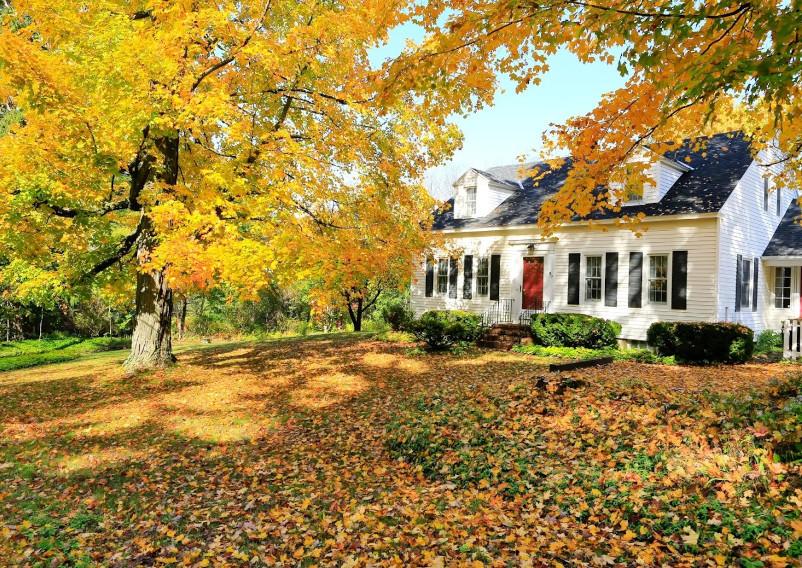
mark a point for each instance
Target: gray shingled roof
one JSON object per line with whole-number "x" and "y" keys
{"x": 718, "y": 163}
{"x": 787, "y": 239}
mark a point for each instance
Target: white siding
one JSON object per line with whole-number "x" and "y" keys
{"x": 665, "y": 176}
{"x": 746, "y": 229}
{"x": 773, "y": 317}
{"x": 509, "y": 244}
{"x": 697, "y": 236}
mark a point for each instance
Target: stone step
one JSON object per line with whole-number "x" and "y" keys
{"x": 505, "y": 333}
{"x": 502, "y": 345}
{"x": 504, "y": 336}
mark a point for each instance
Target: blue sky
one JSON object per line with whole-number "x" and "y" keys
{"x": 515, "y": 123}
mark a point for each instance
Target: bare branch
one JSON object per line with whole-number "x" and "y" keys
{"x": 663, "y": 15}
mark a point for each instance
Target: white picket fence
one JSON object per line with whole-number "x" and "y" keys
{"x": 792, "y": 338}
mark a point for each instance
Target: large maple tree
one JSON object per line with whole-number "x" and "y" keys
{"x": 691, "y": 67}
{"x": 192, "y": 142}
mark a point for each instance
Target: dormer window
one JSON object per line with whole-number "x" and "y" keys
{"x": 470, "y": 202}
{"x": 633, "y": 189}
{"x": 634, "y": 193}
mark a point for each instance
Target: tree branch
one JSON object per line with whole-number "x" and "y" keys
{"x": 125, "y": 247}
{"x": 143, "y": 15}
{"x": 220, "y": 64}
{"x": 663, "y": 15}
{"x": 210, "y": 70}
{"x": 69, "y": 213}
{"x": 373, "y": 301}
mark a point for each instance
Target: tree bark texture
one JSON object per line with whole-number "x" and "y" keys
{"x": 182, "y": 317}
{"x": 151, "y": 344}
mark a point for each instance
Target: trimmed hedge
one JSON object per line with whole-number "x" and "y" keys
{"x": 442, "y": 329}
{"x": 574, "y": 330}
{"x": 702, "y": 342}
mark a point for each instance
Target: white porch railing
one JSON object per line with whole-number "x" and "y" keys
{"x": 792, "y": 338}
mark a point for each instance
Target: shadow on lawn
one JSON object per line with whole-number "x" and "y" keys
{"x": 290, "y": 435}
{"x": 239, "y": 393}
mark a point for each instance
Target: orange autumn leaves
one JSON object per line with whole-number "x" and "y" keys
{"x": 298, "y": 158}
{"x": 692, "y": 68}
{"x": 283, "y": 452}
{"x": 286, "y": 159}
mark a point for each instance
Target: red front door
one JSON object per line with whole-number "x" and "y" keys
{"x": 532, "y": 289}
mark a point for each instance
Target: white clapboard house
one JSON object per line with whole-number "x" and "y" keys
{"x": 718, "y": 243}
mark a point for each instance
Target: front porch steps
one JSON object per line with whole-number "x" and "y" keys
{"x": 503, "y": 336}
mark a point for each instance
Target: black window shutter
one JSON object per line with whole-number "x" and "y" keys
{"x": 573, "y": 278}
{"x": 453, "y": 271}
{"x": 467, "y": 285}
{"x": 679, "y": 280}
{"x": 754, "y": 285}
{"x": 429, "y": 277}
{"x": 635, "y": 279}
{"x": 738, "y": 278}
{"x": 495, "y": 274}
{"x": 611, "y": 279}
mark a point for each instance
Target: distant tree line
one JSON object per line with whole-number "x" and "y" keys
{"x": 215, "y": 312}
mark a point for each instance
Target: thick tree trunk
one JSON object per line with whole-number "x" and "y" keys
{"x": 151, "y": 345}
{"x": 356, "y": 315}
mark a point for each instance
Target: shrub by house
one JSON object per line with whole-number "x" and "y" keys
{"x": 702, "y": 342}
{"x": 442, "y": 329}
{"x": 574, "y": 330}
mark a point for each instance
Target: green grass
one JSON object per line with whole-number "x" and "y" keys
{"x": 583, "y": 353}
{"x": 32, "y": 352}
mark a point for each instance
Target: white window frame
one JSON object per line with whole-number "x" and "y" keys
{"x": 650, "y": 278}
{"x": 778, "y": 191}
{"x": 588, "y": 278}
{"x": 442, "y": 262}
{"x": 470, "y": 201}
{"x": 781, "y": 299}
{"x": 486, "y": 277}
{"x": 747, "y": 275}
{"x": 766, "y": 194}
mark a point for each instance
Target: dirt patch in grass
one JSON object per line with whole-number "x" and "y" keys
{"x": 342, "y": 451}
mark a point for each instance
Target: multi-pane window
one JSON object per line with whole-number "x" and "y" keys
{"x": 483, "y": 277}
{"x": 593, "y": 278}
{"x": 470, "y": 201}
{"x": 442, "y": 275}
{"x": 782, "y": 287}
{"x": 658, "y": 279}
{"x": 746, "y": 283}
{"x": 765, "y": 194}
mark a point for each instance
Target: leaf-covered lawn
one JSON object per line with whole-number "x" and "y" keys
{"x": 343, "y": 451}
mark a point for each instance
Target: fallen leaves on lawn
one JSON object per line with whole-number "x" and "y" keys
{"x": 352, "y": 453}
